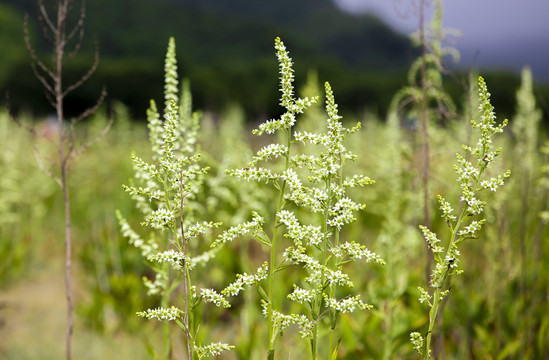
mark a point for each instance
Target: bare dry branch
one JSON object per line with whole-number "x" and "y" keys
{"x": 44, "y": 169}
{"x": 72, "y": 142}
{"x": 62, "y": 13}
{"x": 74, "y": 154}
{"x": 45, "y": 23}
{"x": 78, "y": 28}
{"x": 51, "y": 79}
{"x": 30, "y": 129}
{"x": 91, "y": 110}
{"x": 42, "y": 79}
{"x": 50, "y": 98}
{"x": 86, "y": 76}
{"x": 78, "y": 44}
{"x": 31, "y": 51}
{"x": 45, "y": 16}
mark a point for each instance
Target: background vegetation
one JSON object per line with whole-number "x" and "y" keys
{"x": 368, "y": 59}
{"x": 497, "y": 309}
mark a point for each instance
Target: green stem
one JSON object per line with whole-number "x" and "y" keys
{"x": 272, "y": 333}
{"x": 166, "y": 270}
{"x": 336, "y": 243}
{"x": 432, "y": 319}
{"x": 165, "y": 301}
{"x": 189, "y": 316}
{"x": 437, "y": 301}
{"x": 187, "y": 277}
{"x": 317, "y": 304}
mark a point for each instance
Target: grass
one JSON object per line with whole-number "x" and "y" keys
{"x": 32, "y": 314}
{"x": 496, "y": 309}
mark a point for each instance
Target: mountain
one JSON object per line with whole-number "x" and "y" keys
{"x": 226, "y": 49}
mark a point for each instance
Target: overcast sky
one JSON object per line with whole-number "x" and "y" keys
{"x": 505, "y": 32}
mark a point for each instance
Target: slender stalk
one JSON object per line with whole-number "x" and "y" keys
{"x": 166, "y": 269}
{"x": 272, "y": 334}
{"x": 335, "y": 245}
{"x": 68, "y": 265}
{"x": 186, "y": 281}
{"x": 58, "y": 88}
{"x": 318, "y": 302}
{"x": 424, "y": 128}
{"x": 438, "y": 292}
{"x": 51, "y": 77}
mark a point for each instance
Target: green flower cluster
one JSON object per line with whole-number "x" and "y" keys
{"x": 470, "y": 177}
{"x": 164, "y": 190}
{"x": 313, "y": 184}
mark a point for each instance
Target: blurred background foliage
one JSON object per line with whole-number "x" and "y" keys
{"x": 225, "y": 50}
{"x": 497, "y": 309}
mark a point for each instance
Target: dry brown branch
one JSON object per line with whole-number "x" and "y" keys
{"x": 43, "y": 167}
{"x": 52, "y": 80}
{"x": 86, "y": 76}
{"x": 46, "y": 17}
{"x": 36, "y": 60}
{"x": 78, "y": 28}
{"x": 91, "y": 110}
{"x": 74, "y": 154}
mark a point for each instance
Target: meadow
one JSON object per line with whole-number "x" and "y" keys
{"x": 335, "y": 229}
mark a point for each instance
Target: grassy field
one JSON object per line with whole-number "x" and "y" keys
{"x": 337, "y": 266}
{"x": 496, "y": 310}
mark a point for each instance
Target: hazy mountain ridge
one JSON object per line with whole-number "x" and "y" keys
{"x": 226, "y": 49}
{"x": 220, "y": 44}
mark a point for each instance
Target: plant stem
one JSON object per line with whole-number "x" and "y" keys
{"x": 187, "y": 280}
{"x": 58, "y": 88}
{"x": 51, "y": 77}
{"x": 317, "y": 304}
{"x": 424, "y": 129}
{"x": 437, "y": 298}
{"x": 336, "y": 243}
{"x": 166, "y": 270}
{"x": 272, "y": 334}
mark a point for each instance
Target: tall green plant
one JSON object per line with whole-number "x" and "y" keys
{"x": 525, "y": 127}
{"x": 397, "y": 240}
{"x": 425, "y": 91}
{"x": 461, "y": 227}
{"x": 318, "y": 247}
{"x": 164, "y": 191}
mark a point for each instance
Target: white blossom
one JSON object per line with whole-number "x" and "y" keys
{"x": 161, "y": 313}
{"x": 346, "y": 305}
{"x": 210, "y": 295}
{"x": 210, "y": 350}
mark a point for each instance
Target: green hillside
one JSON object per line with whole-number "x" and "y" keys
{"x": 223, "y": 44}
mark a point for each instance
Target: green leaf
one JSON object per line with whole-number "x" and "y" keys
{"x": 262, "y": 293}
{"x": 510, "y": 350}
{"x": 263, "y": 238}
{"x": 196, "y": 303}
{"x": 334, "y": 353}
{"x": 335, "y": 317}
{"x": 180, "y": 324}
{"x": 282, "y": 267}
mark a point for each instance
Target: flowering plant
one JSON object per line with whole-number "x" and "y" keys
{"x": 316, "y": 247}
{"x": 470, "y": 177}
{"x": 164, "y": 190}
